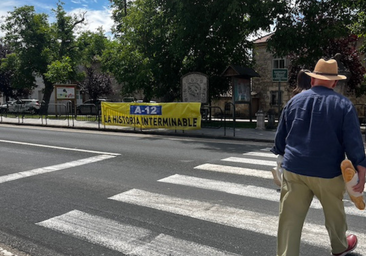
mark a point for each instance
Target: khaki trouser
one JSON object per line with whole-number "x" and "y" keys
{"x": 297, "y": 192}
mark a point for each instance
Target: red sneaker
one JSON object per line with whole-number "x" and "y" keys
{"x": 352, "y": 244}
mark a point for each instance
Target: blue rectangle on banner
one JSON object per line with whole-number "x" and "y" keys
{"x": 145, "y": 110}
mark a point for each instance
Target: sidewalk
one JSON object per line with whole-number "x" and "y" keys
{"x": 245, "y": 134}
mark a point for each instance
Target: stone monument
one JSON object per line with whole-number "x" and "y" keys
{"x": 195, "y": 87}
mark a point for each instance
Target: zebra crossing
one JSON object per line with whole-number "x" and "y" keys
{"x": 133, "y": 240}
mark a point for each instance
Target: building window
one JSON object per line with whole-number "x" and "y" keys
{"x": 279, "y": 63}
{"x": 274, "y": 98}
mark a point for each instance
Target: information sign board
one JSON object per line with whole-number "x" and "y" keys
{"x": 279, "y": 75}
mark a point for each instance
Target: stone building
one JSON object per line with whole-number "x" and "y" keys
{"x": 264, "y": 86}
{"x": 274, "y": 95}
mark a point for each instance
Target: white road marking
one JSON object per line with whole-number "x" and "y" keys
{"x": 266, "y": 149}
{"x": 245, "y": 190}
{"x": 234, "y": 217}
{"x": 222, "y": 186}
{"x": 260, "y": 154}
{"x": 6, "y": 253}
{"x": 143, "y": 242}
{"x": 61, "y": 148}
{"x": 168, "y": 245}
{"x": 53, "y": 168}
{"x": 250, "y": 161}
{"x": 235, "y": 170}
{"x": 125, "y": 238}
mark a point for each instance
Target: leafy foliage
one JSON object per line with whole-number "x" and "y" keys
{"x": 59, "y": 71}
{"x": 5, "y": 73}
{"x": 14, "y": 83}
{"x": 159, "y": 41}
{"x": 90, "y": 46}
{"x": 359, "y": 28}
{"x": 96, "y": 83}
{"x": 306, "y": 28}
{"x": 319, "y": 29}
{"x": 27, "y": 34}
{"x": 40, "y": 48}
{"x": 349, "y": 58}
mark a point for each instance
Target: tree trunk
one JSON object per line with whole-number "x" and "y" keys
{"x": 48, "y": 89}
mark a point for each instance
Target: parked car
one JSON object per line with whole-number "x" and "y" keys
{"x": 89, "y": 107}
{"x": 31, "y": 106}
{"x": 4, "y": 107}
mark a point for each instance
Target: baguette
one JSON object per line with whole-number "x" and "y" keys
{"x": 350, "y": 177}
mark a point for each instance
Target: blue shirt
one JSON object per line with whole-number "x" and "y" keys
{"x": 317, "y": 128}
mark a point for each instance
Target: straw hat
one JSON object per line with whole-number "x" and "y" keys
{"x": 326, "y": 70}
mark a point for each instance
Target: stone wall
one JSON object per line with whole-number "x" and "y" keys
{"x": 263, "y": 85}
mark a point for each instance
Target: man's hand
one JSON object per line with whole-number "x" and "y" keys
{"x": 361, "y": 179}
{"x": 279, "y": 164}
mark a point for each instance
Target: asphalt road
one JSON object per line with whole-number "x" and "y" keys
{"x": 71, "y": 192}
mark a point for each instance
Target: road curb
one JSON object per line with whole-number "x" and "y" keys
{"x": 149, "y": 132}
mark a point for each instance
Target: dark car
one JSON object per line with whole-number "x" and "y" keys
{"x": 89, "y": 107}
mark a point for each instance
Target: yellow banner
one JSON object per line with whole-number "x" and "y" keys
{"x": 177, "y": 116}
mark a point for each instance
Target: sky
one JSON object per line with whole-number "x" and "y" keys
{"x": 98, "y": 12}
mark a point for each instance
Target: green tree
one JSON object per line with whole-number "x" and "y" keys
{"x": 96, "y": 82}
{"x": 60, "y": 71}
{"x": 27, "y": 36}
{"x": 41, "y": 48}
{"x": 6, "y": 73}
{"x": 14, "y": 83}
{"x": 359, "y": 28}
{"x": 307, "y": 26}
{"x": 159, "y": 41}
{"x": 310, "y": 30}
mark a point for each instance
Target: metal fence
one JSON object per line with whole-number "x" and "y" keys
{"x": 66, "y": 115}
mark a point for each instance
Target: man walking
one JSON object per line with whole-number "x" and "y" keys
{"x": 318, "y": 127}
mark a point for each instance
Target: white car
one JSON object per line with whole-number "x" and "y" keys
{"x": 4, "y": 107}
{"x": 31, "y": 106}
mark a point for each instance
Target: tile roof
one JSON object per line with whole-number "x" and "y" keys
{"x": 262, "y": 39}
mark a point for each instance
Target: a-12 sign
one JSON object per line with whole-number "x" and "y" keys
{"x": 145, "y": 110}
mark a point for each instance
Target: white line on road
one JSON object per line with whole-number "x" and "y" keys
{"x": 56, "y": 147}
{"x": 261, "y": 154}
{"x": 234, "y": 217}
{"x": 168, "y": 245}
{"x": 125, "y": 238}
{"x": 245, "y": 190}
{"x": 222, "y": 186}
{"x": 235, "y": 170}
{"x": 250, "y": 161}
{"x": 53, "y": 168}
